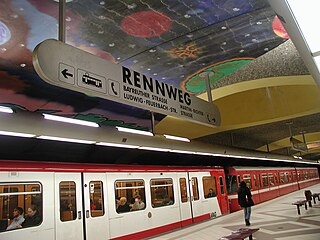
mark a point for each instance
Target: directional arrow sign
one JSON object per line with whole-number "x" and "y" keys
{"x": 66, "y": 66}
{"x": 66, "y": 74}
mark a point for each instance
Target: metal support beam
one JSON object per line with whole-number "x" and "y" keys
{"x": 62, "y": 25}
{"x": 152, "y": 123}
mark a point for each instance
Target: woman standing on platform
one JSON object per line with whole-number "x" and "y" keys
{"x": 245, "y": 201}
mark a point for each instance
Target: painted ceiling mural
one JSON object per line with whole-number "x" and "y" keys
{"x": 169, "y": 40}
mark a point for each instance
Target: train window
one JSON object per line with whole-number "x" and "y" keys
{"x": 195, "y": 190}
{"x": 68, "y": 203}
{"x": 289, "y": 177}
{"x": 96, "y": 199}
{"x": 130, "y": 195}
{"x": 183, "y": 189}
{"x": 264, "y": 179}
{"x": 286, "y": 177}
{"x": 315, "y": 174}
{"x": 271, "y": 179}
{"x": 221, "y": 185}
{"x": 255, "y": 180}
{"x": 161, "y": 192}
{"x": 232, "y": 186}
{"x": 282, "y": 181}
{"x": 294, "y": 176}
{"x": 276, "y": 178}
{"x": 298, "y": 175}
{"x": 247, "y": 179}
{"x": 209, "y": 187}
{"x": 24, "y": 198}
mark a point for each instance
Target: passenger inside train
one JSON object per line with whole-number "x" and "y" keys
{"x": 92, "y": 205}
{"x": 138, "y": 204}
{"x": 123, "y": 205}
{"x": 17, "y": 220}
{"x": 67, "y": 211}
{"x": 98, "y": 204}
{"x": 33, "y": 217}
{"x": 211, "y": 193}
{"x": 167, "y": 201}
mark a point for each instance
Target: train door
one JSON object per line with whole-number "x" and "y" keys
{"x": 194, "y": 196}
{"x": 96, "y": 216}
{"x": 68, "y": 213}
{"x": 223, "y": 196}
{"x": 185, "y": 204}
{"x": 203, "y": 207}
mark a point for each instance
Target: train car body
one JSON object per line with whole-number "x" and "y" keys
{"x": 268, "y": 183}
{"x": 82, "y": 201}
{"x": 93, "y": 201}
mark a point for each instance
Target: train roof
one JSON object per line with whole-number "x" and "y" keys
{"x": 20, "y": 165}
{"x": 266, "y": 168}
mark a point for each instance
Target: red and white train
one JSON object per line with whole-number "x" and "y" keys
{"x": 268, "y": 183}
{"x": 83, "y": 201}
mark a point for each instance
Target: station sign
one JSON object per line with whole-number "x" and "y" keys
{"x": 68, "y": 67}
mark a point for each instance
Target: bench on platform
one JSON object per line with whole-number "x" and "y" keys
{"x": 300, "y": 203}
{"x": 242, "y": 233}
{"x": 314, "y": 196}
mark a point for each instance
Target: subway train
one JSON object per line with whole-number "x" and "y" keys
{"x": 73, "y": 201}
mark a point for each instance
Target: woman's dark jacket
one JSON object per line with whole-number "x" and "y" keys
{"x": 244, "y": 197}
{"x": 31, "y": 221}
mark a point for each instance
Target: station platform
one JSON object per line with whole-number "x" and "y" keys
{"x": 276, "y": 219}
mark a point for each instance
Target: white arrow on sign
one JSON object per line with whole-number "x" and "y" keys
{"x": 66, "y": 66}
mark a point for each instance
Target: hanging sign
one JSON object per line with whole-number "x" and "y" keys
{"x": 68, "y": 67}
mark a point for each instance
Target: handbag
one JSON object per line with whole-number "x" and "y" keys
{"x": 250, "y": 202}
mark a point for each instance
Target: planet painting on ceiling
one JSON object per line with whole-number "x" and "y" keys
{"x": 278, "y": 28}
{"x": 196, "y": 83}
{"x": 5, "y": 33}
{"x": 146, "y": 24}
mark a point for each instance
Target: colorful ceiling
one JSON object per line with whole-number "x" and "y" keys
{"x": 171, "y": 41}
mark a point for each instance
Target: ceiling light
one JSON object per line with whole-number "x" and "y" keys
{"x": 204, "y": 153}
{"x": 116, "y": 145}
{"x": 70, "y": 120}
{"x": 17, "y": 134}
{"x": 182, "y": 151}
{"x": 183, "y": 139}
{"x": 73, "y": 140}
{"x": 130, "y": 130}
{"x": 155, "y": 149}
{"x": 6, "y": 109}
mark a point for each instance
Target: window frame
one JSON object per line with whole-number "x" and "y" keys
{"x": 168, "y": 199}
{"x": 207, "y": 183}
{"x": 143, "y": 196}
{"x": 24, "y": 199}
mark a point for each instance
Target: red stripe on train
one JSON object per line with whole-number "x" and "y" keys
{"x": 163, "y": 229}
